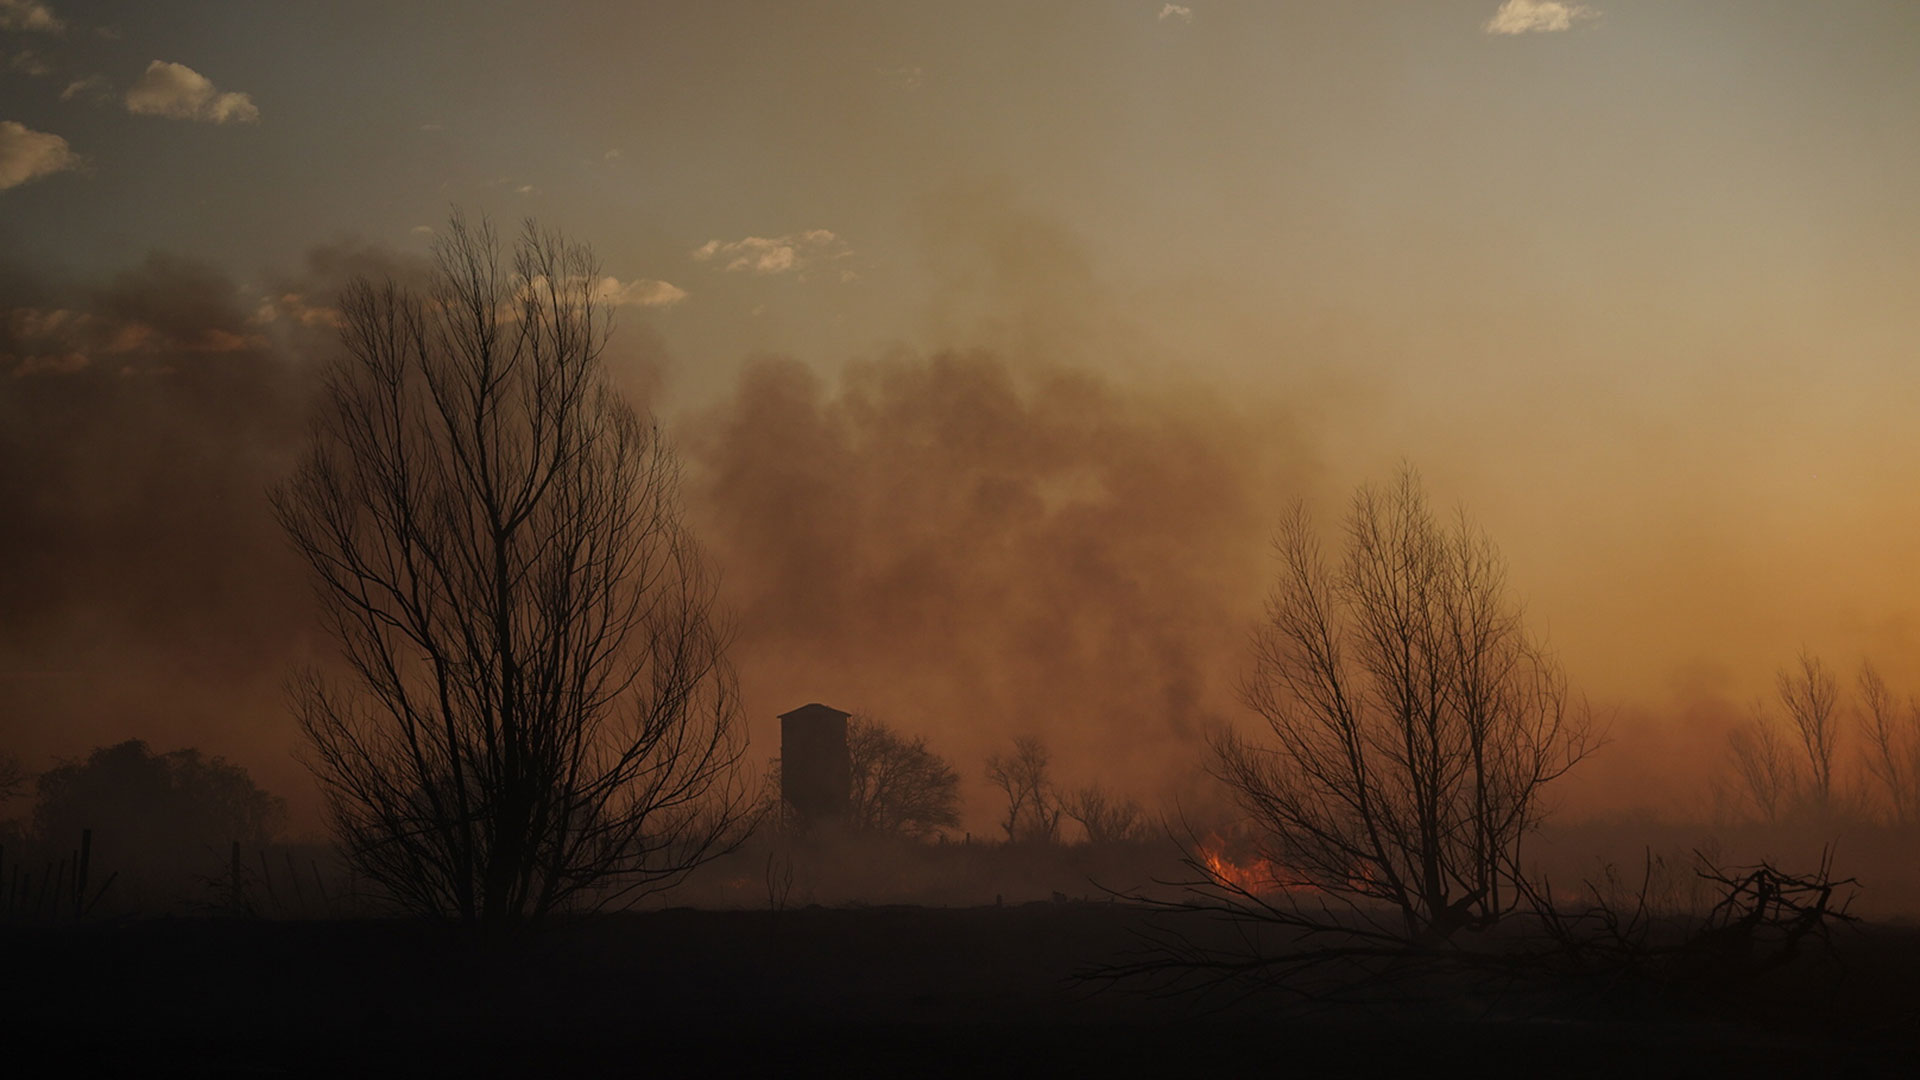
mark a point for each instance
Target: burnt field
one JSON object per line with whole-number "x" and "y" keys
{"x": 873, "y": 991}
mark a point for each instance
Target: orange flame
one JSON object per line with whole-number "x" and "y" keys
{"x": 1258, "y": 876}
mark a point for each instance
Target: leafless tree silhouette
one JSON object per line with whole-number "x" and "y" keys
{"x": 1766, "y": 768}
{"x": 1025, "y": 778}
{"x": 896, "y": 784}
{"x": 1789, "y": 769}
{"x": 1892, "y": 737}
{"x": 1415, "y": 724}
{"x": 537, "y": 711}
{"x": 1811, "y": 698}
{"x": 1107, "y": 819}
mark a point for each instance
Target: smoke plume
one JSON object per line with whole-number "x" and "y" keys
{"x": 973, "y": 549}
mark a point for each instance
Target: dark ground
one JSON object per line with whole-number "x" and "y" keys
{"x": 856, "y": 991}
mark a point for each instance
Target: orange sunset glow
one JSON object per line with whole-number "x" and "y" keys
{"x": 1064, "y": 409}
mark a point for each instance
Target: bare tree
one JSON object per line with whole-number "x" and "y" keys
{"x": 1892, "y": 744}
{"x": 1789, "y": 769}
{"x": 1107, "y": 819}
{"x": 1811, "y": 698}
{"x": 1766, "y": 768}
{"x": 536, "y": 711}
{"x": 896, "y": 784}
{"x": 1415, "y": 724}
{"x": 1033, "y": 807}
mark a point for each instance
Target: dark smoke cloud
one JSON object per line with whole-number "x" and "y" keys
{"x": 969, "y": 544}
{"x": 147, "y": 591}
{"x": 973, "y": 549}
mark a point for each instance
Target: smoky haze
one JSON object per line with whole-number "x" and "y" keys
{"x": 148, "y": 592}
{"x": 1051, "y": 523}
{"x": 973, "y": 549}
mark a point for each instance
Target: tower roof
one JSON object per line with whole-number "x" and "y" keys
{"x": 815, "y": 709}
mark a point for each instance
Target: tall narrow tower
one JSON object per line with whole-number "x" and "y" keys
{"x": 814, "y": 769}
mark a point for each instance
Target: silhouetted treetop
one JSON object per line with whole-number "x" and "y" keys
{"x": 898, "y": 784}
{"x": 155, "y": 806}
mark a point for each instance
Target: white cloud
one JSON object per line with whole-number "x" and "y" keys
{"x": 94, "y": 88}
{"x": 31, "y": 64}
{"x": 181, "y": 93}
{"x": 36, "y": 323}
{"x": 47, "y": 364}
{"x": 293, "y": 307}
{"x": 640, "y": 292}
{"x": 29, "y": 15}
{"x": 1176, "y": 11}
{"x": 26, "y": 154}
{"x": 1538, "y": 17}
{"x": 773, "y": 255}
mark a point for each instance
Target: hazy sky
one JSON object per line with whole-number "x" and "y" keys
{"x": 1633, "y": 281}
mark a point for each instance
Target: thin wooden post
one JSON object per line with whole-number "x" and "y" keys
{"x": 233, "y": 871}
{"x": 320, "y": 886}
{"x": 104, "y": 886}
{"x": 40, "y": 898}
{"x": 299, "y": 894}
{"x": 80, "y": 873}
{"x": 266, "y": 878}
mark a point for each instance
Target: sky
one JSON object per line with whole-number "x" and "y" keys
{"x": 1629, "y": 282}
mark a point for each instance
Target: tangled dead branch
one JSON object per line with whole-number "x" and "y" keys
{"x": 1230, "y": 935}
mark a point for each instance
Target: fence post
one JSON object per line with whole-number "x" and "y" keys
{"x": 266, "y": 878}
{"x": 326, "y": 902}
{"x": 40, "y": 898}
{"x": 299, "y": 894}
{"x": 80, "y": 873}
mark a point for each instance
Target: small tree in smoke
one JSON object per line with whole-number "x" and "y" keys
{"x": 1765, "y": 768}
{"x": 1811, "y": 698}
{"x": 1106, "y": 818}
{"x": 157, "y": 818}
{"x": 537, "y": 710}
{"x": 1786, "y": 764}
{"x": 898, "y": 785}
{"x": 1891, "y": 735}
{"x": 1414, "y": 724}
{"x": 1025, "y": 778}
